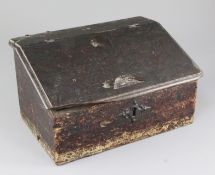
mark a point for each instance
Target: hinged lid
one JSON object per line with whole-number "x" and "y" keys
{"x": 103, "y": 62}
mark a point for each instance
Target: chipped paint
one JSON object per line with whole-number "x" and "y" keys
{"x": 49, "y": 40}
{"x": 106, "y": 85}
{"x": 87, "y": 28}
{"x": 109, "y": 30}
{"x": 133, "y": 25}
{"x": 125, "y": 138}
{"x": 104, "y": 123}
{"x": 95, "y": 43}
{"x": 121, "y": 81}
{"x": 67, "y": 113}
{"x": 124, "y": 81}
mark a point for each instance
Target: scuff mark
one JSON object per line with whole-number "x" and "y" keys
{"x": 109, "y": 30}
{"x": 124, "y": 81}
{"x": 87, "y": 28}
{"x": 133, "y": 25}
{"x": 121, "y": 81}
{"x": 95, "y": 43}
{"x": 19, "y": 40}
{"x": 104, "y": 123}
{"x": 49, "y": 40}
{"x": 57, "y": 81}
{"x": 106, "y": 85}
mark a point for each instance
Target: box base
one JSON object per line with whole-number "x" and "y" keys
{"x": 125, "y": 138}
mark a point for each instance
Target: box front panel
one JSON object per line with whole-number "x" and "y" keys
{"x": 88, "y": 130}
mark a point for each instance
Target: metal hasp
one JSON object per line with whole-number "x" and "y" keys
{"x": 89, "y": 89}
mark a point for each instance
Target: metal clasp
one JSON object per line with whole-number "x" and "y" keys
{"x": 134, "y": 112}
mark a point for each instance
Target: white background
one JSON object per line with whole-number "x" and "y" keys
{"x": 188, "y": 150}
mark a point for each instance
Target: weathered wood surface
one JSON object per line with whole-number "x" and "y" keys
{"x": 89, "y": 89}
{"x": 105, "y": 62}
{"x": 70, "y": 134}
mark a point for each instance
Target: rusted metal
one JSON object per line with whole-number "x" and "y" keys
{"x": 88, "y": 89}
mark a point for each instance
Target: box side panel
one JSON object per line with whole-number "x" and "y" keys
{"x": 32, "y": 109}
{"x": 85, "y": 131}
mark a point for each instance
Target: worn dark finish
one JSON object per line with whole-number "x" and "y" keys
{"x": 137, "y": 49}
{"x": 88, "y": 89}
{"x": 101, "y": 122}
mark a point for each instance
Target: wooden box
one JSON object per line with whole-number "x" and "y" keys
{"x": 89, "y": 89}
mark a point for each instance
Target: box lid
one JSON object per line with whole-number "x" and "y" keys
{"x": 103, "y": 62}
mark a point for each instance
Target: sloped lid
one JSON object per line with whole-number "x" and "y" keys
{"x": 103, "y": 62}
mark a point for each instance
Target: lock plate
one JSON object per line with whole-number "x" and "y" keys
{"x": 135, "y": 112}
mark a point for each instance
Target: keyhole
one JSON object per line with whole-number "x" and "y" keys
{"x": 134, "y": 111}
